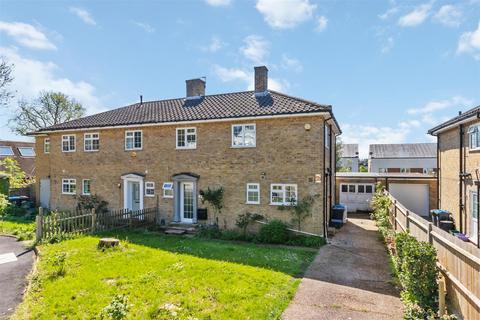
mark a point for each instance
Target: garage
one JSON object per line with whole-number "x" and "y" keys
{"x": 413, "y": 196}
{"x": 356, "y": 196}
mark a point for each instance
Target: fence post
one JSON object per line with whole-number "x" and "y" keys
{"x": 94, "y": 219}
{"x": 39, "y": 224}
{"x": 407, "y": 222}
{"x": 395, "y": 215}
{"x": 441, "y": 295}
{"x": 429, "y": 233}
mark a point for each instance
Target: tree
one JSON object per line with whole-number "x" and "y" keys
{"x": 48, "y": 109}
{"x": 5, "y": 79}
{"x": 16, "y": 176}
{"x": 215, "y": 198}
{"x": 244, "y": 220}
{"x": 338, "y": 153}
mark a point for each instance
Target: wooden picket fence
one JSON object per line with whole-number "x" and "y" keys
{"x": 80, "y": 222}
{"x": 458, "y": 261}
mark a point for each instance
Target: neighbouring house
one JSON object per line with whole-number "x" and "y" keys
{"x": 403, "y": 158}
{"x": 263, "y": 147}
{"x": 418, "y": 192}
{"x": 24, "y": 154}
{"x": 459, "y": 169}
{"x": 349, "y": 158}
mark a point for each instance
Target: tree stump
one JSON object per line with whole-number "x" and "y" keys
{"x": 108, "y": 243}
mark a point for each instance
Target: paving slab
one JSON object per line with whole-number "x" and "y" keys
{"x": 349, "y": 279}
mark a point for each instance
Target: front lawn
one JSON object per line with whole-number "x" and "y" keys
{"x": 163, "y": 277}
{"x": 23, "y": 228}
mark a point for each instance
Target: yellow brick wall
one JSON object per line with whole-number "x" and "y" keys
{"x": 285, "y": 151}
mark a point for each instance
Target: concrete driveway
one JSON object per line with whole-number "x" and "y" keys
{"x": 15, "y": 264}
{"x": 349, "y": 279}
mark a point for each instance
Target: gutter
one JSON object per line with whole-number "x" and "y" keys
{"x": 440, "y": 129}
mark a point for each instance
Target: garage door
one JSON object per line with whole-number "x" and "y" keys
{"x": 356, "y": 196}
{"x": 413, "y": 196}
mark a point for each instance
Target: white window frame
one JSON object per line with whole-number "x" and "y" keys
{"x": 70, "y": 182}
{"x": 24, "y": 156}
{"x": 149, "y": 186}
{"x": 91, "y": 139}
{"x": 474, "y": 137}
{"x": 186, "y": 135}
{"x": 284, "y": 192}
{"x": 167, "y": 189}
{"x": 89, "y": 187}
{"x": 243, "y": 130}
{"x": 46, "y": 142}
{"x": 253, "y": 190}
{"x": 133, "y": 137}
{"x": 473, "y": 196}
{"x": 68, "y": 140}
{"x": 7, "y": 155}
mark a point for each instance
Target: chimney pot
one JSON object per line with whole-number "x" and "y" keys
{"x": 195, "y": 88}
{"x": 261, "y": 80}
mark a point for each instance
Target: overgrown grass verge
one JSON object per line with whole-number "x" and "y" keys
{"x": 413, "y": 263}
{"x": 152, "y": 276}
{"x": 22, "y": 228}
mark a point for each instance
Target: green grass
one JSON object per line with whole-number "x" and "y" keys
{"x": 164, "y": 277}
{"x": 23, "y": 228}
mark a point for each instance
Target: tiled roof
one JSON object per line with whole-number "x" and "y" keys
{"x": 210, "y": 107}
{"x": 27, "y": 164}
{"x": 349, "y": 150}
{"x": 403, "y": 150}
{"x": 460, "y": 117}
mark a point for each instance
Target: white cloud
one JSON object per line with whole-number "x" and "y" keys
{"x": 27, "y": 35}
{"x": 470, "y": 43}
{"x": 291, "y": 63}
{"x": 388, "y": 45}
{"x": 416, "y": 17}
{"x": 387, "y": 14}
{"x": 218, "y": 3}
{"x": 145, "y": 26}
{"x": 256, "y": 49}
{"x": 236, "y": 74}
{"x": 287, "y": 13}
{"x": 84, "y": 15}
{"x": 33, "y": 76}
{"x": 214, "y": 45}
{"x": 322, "y": 22}
{"x": 449, "y": 16}
{"x": 437, "y": 105}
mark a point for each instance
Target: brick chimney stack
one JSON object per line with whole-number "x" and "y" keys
{"x": 195, "y": 88}
{"x": 261, "y": 80}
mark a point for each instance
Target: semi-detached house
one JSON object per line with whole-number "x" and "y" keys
{"x": 263, "y": 147}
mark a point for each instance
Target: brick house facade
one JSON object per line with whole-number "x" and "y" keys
{"x": 259, "y": 146}
{"x": 459, "y": 169}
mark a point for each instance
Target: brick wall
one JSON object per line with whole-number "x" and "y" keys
{"x": 285, "y": 152}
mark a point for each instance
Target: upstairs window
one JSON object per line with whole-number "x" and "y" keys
{"x": 253, "y": 193}
{"x": 149, "y": 189}
{"x": 283, "y": 194}
{"x": 244, "y": 135}
{"x": 68, "y": 143}
{"x": 91, "y": 142}
{"x": 133, "y": 140}
{"x": 6, "y": 151}
{"x": 26, "y": 151}
{"x": 474, "y": 137}
{"x": 69, "y": 186}
{"x": 168, "y": 189}
{"x": 46, "y": 145}
{"x": 186, "y": 138}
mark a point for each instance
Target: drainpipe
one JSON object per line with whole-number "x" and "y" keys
{"x": 460, "y": 180}
{"x": 438, "y": 172}
{"x": 478, "y": 215}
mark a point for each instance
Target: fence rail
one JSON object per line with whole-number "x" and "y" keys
{"x": 458, "y": 261}
{"x": 79, "y": 222}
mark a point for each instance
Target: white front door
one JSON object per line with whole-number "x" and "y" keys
{"x": 134, "y": 190}
{"x": 186, "y": 202}
{"x": 45, "y": 193}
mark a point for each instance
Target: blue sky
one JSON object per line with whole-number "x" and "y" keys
{"x": 391, "y": 69}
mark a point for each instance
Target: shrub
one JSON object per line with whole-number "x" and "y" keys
{"x": 4, "y": 186}
{"x": 244, "y": 220}
{"x": 57, "y": 261}
{"x": 215, "y": 198}
{"x": 305, "y": 241}
{"x": 117, "y": 309}
{"x": 274, "y": 231}
{"x": 209, "y": 232}
{"x": 13, "y": 210}
{"x": 299, "y": 210}
{"x": 90, "y": 202}
{"x": 3, "y": 204}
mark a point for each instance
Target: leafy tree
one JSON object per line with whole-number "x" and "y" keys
{"x": 16, "y": 176}
{"x": 299, "y": 210}
{"x": 215, "y": 198}
{"x": 363, "y": 168}
{"x": 338, "y": 153}
{"x": 48, "y": 109}
{"x": 5, "y": 79}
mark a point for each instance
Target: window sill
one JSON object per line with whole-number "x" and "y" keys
{"x": 252, "y": 202}
{"x": 242, "y": 147}
{"x": 91, "y": 150}
{"x": 70, "y": 151}
{"x": 168, "y": 197}
{"x": 180, "y": 148}
{"x": 476, "y": 150}
{"x": 150, "y": 196}
{"x": 137, "y": 149}
{"x": 86, "y": 194}
{"x": 68, "y": 194}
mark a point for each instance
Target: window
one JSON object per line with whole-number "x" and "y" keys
{"x": 68, "y": 143}
{"x": 91, "y": 142}
{"x": 133, "y": 140}
{"x": 283, "y": 194}
{"x": 86, "y": 187}
{"x": 186, "y": 138}
{"x": 361, "y": 188}
{"x": 253, "y": 193}
{"x": 168, "y": 189}
{"x": 26, "y": 151}
{"x": 382, "y": 170}
{"x": 6, "y": 151}
{"x": 351, "y": 188}
{"x": 69, "y": 186}
{"x": 46, "y": 145}
{"x": 368, "y": 189}
{"x": 474, "y": 134}
{"x": 244, "y": 135}
{"x": 344, "y": 188}
{"x": 150, "y": 189}
{"x": 327, "y": 136}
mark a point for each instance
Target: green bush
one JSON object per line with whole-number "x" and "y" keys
{"x": 3, "y": 204}
{"x": 209, "y": 232}
{"x": 305, "y": 241}
{"x": 4, "y": 186}
{"x": 274, "y": 231}
{"x": 117, "y": 309}
{"x": 13, "y": 210}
